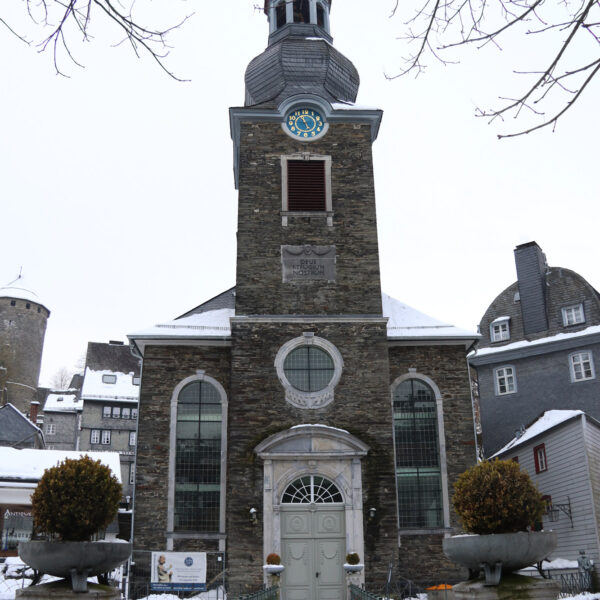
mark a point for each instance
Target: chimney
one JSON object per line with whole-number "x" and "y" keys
{"x": 531, "y": 275}
{"x": 33, "y": 411}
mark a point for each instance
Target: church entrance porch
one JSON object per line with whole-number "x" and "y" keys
{"x": 312, "y": 507}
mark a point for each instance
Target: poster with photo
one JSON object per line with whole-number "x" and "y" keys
{"x": 178, "y": 571}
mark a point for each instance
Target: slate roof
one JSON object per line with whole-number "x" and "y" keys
{"x": 204, "y": 322}
{"x": 224, "y": 300}
{"x": 111, "y": 357}
{"x": 16, "y": 428}
{"x": 300, "y": 64}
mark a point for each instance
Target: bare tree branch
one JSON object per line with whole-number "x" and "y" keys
{"x": 440, "y": 25}
{"x": 64, "y": 16}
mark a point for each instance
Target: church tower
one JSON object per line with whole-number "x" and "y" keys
{"x": 308, "y": 302}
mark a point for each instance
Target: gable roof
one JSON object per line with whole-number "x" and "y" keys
{"x": 547, "y": 421}
{"x": 114, "y": 356}
{"x": 211, "y": 320}
{"x": 15, "y": 427}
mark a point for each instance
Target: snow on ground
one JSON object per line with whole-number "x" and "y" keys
{"x": 11, "y": 579}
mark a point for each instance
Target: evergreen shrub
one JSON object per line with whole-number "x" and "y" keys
{"x": 273, "y": 559}
{"x": 75, "y": 499}
{"x": 352, "y": 558}
{"x": 497, "y": 497}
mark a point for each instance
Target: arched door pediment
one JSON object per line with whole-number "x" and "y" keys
{"x": 314, "y": 441}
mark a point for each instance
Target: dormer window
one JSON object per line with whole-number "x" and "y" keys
{"x": 109, "y": 378}
{"x": 500, "y": 329}
{"x": 573, "y": 315}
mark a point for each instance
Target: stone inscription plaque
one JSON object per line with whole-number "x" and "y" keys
{"x": 308, "y": 263}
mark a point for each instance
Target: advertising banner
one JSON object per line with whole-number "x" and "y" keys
{"x": 178, "y": 571}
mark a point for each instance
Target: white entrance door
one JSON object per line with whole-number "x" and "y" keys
{"x": 313, "y": 548}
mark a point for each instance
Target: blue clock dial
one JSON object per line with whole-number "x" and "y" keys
{"x": 305, "y": 123}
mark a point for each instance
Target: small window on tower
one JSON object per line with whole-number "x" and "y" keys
{"x": 320, "y": 15}
{"x": 306, "y": 185}
{"x": 301, "y": 11}
{"x": 280, "y": 14}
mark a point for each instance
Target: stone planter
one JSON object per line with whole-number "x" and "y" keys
{"x": 77, "y": 560}
{"x": 273, "y": 569}
{"x": 499, "y": 553}
{"x": 353, "y": 568}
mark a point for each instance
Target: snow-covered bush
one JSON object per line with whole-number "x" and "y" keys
{"x": 75, "y": 499}
{"x": 497, "y": 497}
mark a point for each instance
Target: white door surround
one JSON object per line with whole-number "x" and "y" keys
{"x": 312, "y": 450}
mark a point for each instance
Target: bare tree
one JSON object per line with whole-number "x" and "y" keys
{"x": 61, "y": 379}
{"x": 62, "y": 21}
{"x": 570, "y": 28}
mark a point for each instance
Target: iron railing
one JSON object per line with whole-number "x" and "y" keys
{"x": 572, "y": 584}
{"x": 271, "y": 593}
{"x": 357, "y": 593}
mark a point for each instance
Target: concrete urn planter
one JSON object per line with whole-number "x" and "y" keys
{"x": 77, "y": 560}
{"x": 500, "y": 552}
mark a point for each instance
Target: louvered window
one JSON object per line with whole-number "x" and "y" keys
{"x": 306, "y": 185}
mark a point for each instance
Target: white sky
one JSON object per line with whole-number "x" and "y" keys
{"x": 117, "y": 187}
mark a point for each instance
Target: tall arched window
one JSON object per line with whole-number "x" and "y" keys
{"x": 418, "y": 465}
{"x": 198, "y": 458}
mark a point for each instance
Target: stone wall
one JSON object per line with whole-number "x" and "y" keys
{"x": 260, "y": 289}
{"x": 164, "y": 368}
{"x": 22, "y": 331}
{"x": 258, "y": 409}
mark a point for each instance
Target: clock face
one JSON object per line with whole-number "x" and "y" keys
{"x": 305, "y": 123}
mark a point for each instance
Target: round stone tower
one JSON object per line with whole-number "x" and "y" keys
{"x": 23, "y": 320}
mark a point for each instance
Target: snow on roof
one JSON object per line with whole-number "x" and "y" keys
{"x": 350, "y": 106}
{"x": 498, "y": 319}
{"x": 404, "y": 322}
{"x": 318, "y": 425}
{"x": 30, "y": 464}
{"x": 62, "y": 402}
{"x": 97, "y": 385}
{"x": 212, "y": 323}
{"x": 550, "y": 419}
{"x": 407, "y": 322}
{"x": 545, "y": 340}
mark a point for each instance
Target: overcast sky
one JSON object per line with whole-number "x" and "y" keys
{"x": 117, "y": 188}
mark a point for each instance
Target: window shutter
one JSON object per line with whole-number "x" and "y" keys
{"x": 306, "y": 185}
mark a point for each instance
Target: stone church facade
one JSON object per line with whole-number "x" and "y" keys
{"x": 303, "y": 412}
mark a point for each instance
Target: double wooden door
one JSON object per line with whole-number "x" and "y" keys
{"x": 313, "y": 546}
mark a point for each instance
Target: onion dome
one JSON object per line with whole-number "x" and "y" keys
{"x": 300, "y": 58}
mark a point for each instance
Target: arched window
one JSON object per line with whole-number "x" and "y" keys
{"x": 198, "y": 458}
{"x": 418, "y": 465}
{"x": 312, "y": 489}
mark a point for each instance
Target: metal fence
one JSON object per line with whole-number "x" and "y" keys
{"x": 572, "y": 584}
{"x": 357, "y": 593}
{"x": 271, "y": 593}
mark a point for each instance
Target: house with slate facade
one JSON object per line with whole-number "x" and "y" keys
{"x": 540, "y": 342}
{"x": 560, "y": 451}
{"x": 109, "y": 394}
{"x": 303, "y": 412}
{"x": 62, "y": 419}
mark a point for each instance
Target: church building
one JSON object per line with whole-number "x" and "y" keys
{"x": 302, "y": 412}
